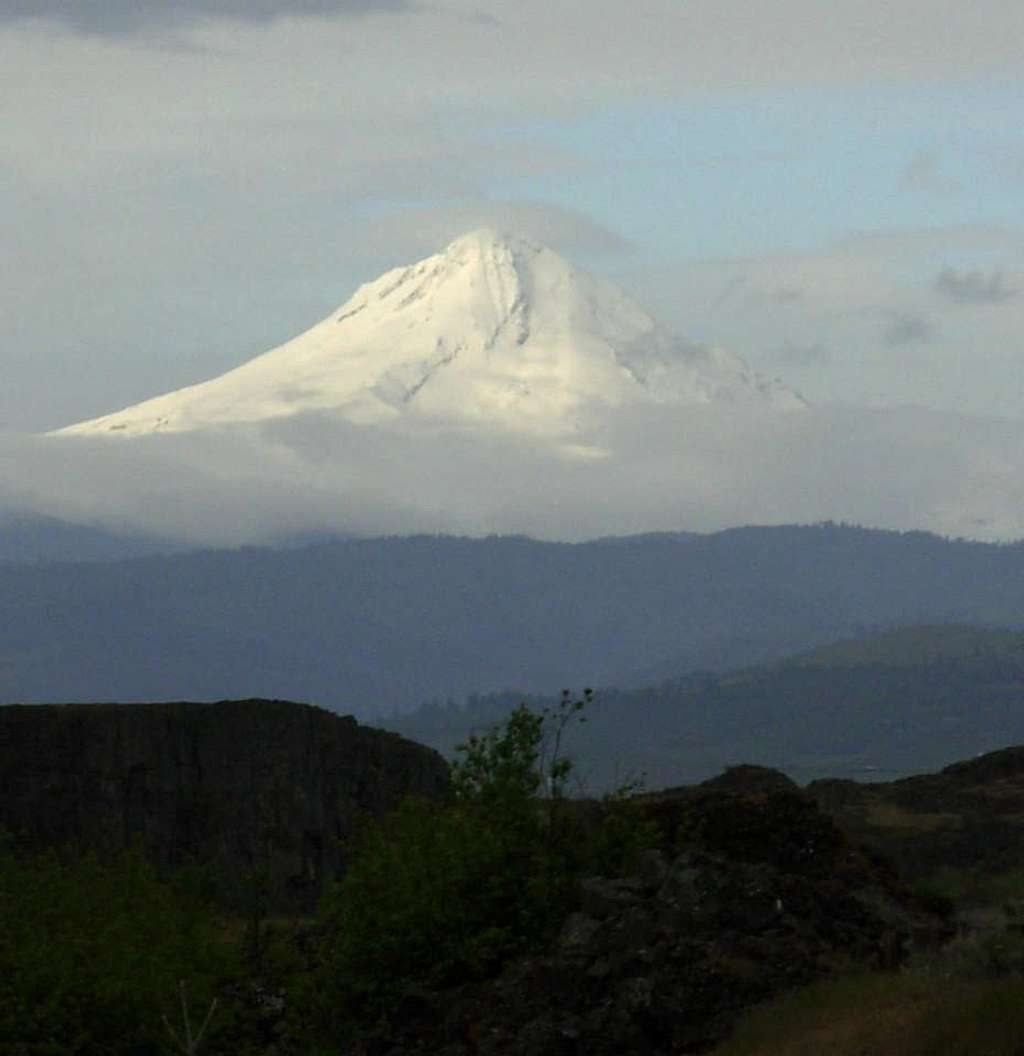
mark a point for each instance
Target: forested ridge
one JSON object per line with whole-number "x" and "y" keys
{"x": 364, "y": 626}
{"x": 895, "y": 703}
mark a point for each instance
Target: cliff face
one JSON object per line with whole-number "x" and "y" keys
{"x": 250, "y": 786}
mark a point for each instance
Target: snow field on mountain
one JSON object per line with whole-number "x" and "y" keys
{"x": 494, "y": 332}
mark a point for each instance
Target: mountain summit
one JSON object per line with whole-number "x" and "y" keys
{"x": 494, "y": 331}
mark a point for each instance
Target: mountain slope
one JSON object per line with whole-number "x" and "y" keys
{"x": 872, "y": 712}
{"x": 494, "y": 331}
{"x": 35, "y": 539}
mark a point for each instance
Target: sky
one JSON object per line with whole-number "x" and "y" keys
{"x": 833, "y": 189}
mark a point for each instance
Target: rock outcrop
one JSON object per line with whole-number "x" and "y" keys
{"x": 253, "y": 787}
{"x": 751, "y": 891}
{"x": 969, "y": 816}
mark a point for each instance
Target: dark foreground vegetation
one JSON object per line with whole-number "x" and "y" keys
{"x": 742, "y": 915}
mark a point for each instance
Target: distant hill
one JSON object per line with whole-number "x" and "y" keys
{"x": 34, "y": 539}
{"x": 373, "y": 625}
{"x": 903, "y": 702}
{"x": 914, "y": 647}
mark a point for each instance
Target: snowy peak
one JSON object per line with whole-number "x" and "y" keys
{"x": 487, "y": 277}
{"x": 493, "y": 332}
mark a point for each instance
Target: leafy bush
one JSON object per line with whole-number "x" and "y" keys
{"x": 91, "y": 954}
{"x": 440, "y": 894}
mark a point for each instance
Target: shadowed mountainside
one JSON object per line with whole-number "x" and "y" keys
{"x": 367, "y": 625}
{"x": 901, "y": 702}
{"x": 34, "y": 539}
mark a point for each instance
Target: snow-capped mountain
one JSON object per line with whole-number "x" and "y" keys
{"x": 494, "y": 331}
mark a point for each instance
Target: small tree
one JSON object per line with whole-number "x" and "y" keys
{"x": 443, "y": 893}
{"x": 556, "y": 766}
{"x": 523, "y": 757}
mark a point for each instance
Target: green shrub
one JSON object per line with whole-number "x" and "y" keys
{"x": 91, "y": 954}
{"x": 623, "y": 832}
{"x": 436, "y": 896}
{"x": 440, "y": 894}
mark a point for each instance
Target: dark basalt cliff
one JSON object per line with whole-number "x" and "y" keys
{"x": 263, "y": 787}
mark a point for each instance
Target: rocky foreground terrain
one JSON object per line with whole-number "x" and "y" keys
{"x": 756, "y": 888}
{"x": 738, "y": 890}
{"x": 968, "y": 819}
{"x": 748, "y": 890}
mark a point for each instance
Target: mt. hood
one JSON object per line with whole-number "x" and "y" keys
{"x": 495, "y": 332}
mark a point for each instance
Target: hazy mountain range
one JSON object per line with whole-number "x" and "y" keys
{"x": 369, "y": 625}
{"x": 899, "y": 702}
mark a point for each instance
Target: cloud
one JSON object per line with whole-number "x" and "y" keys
{"x": 907, "y": 330}
{"x": 412, "y": 233}
{"x": 1011, "y": 165}
{"x": 903, "y": 243}
{"x": 974, "y": 287}
{"x": 128, "y": 16}
{"x": 924, "y": 173}
{"x": 568, "y": 54}
{"x": 857, "y": 319}
{"x": 813, "y": 354}
{"x": 701, "y": 470}
{"x": 788, "y": 294}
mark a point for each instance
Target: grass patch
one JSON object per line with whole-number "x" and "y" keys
{"x": 890, "y": 816}
{"x": 975, "y": 887}
{"x": 888, "y": 1015}
{"x": 854, "y": 1016}
{"x": 980, "y": 1019}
